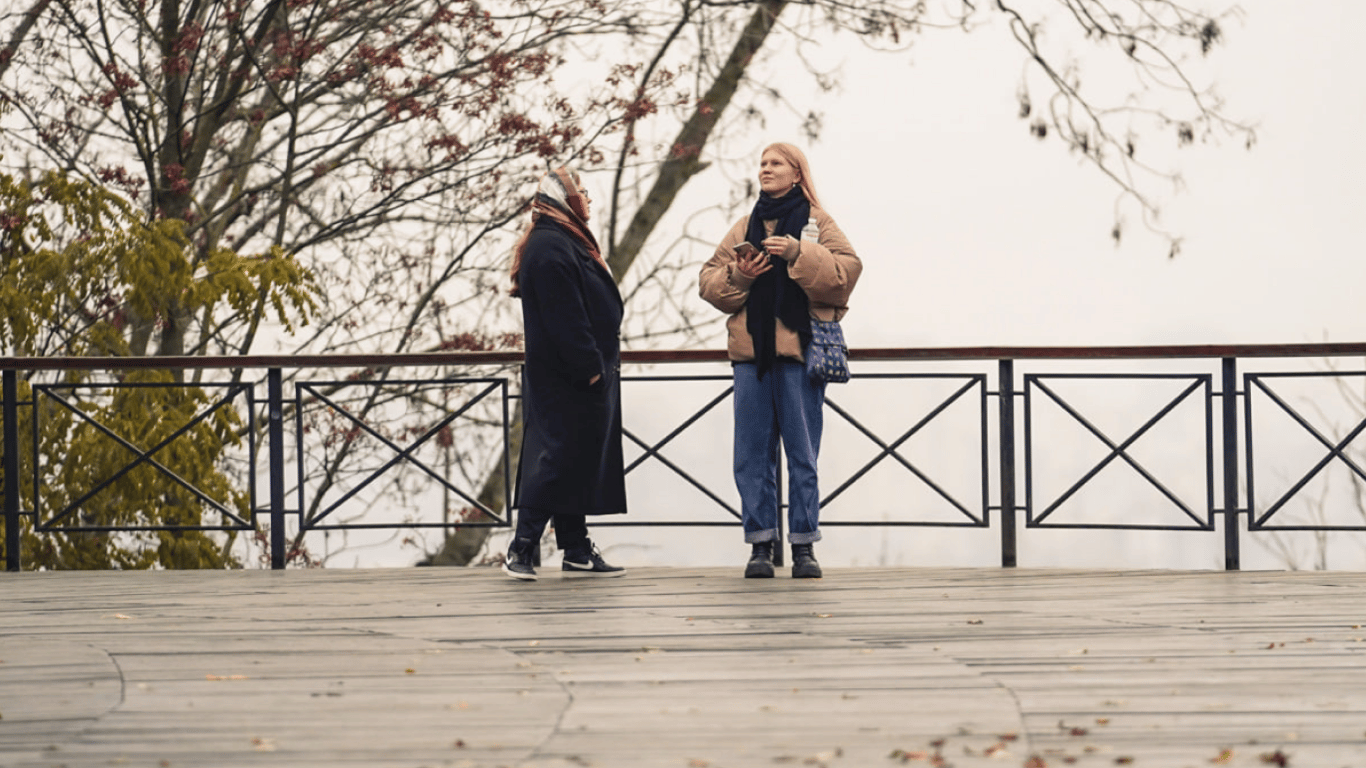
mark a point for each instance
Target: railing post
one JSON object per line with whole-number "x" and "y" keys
{"x": 276, "y": 407}
{"x": 1005, "y": 387}
{"x": 11, "y": 469}
{"x": 1230, "y": 430}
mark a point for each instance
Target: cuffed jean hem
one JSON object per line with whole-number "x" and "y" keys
{"x": 810, "y": 537}
{"x": 759, "y": 537}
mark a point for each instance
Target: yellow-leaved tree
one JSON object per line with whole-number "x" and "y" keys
{"x": 129, "y": 448}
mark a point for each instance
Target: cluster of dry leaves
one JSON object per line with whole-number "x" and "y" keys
{"x": 934, "y": 757}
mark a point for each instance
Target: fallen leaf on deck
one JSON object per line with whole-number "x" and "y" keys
{"x": 996, "y": 750}
{"x": 1224, "y": 757}
{"x": 1276, "y": 758}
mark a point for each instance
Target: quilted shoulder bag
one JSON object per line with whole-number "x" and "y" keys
{"x": 827, "y": 356}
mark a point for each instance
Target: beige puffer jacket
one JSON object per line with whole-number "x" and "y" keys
{"x": 827, "y": 270}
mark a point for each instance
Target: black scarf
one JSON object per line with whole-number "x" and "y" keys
{"x": 775, "y": 293}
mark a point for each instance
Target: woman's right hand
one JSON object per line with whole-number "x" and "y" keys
{"x": 753, "y": 264}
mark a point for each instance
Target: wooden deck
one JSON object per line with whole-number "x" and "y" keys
{"x": 686, "y": 668}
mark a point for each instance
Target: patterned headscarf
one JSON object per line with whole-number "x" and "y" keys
{"x": 558, "y": 198}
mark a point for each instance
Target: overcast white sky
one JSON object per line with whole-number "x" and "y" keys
{"x": 973, "y": 232}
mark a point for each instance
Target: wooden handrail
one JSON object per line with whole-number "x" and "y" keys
{"x": 1170, "y": 351}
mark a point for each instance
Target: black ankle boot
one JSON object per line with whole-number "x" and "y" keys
{"x": 804, "y": 565}
{"x": 760, "y": 564}
{"x": 519, "y": 564}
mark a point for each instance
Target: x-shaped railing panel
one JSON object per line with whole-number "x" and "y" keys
{"x": 890, "y": 450}
{"x": 1118, "y": 450}
{"x": 50, "y": 392}
{"x": 1336, "y": 450}
{"x": 314, "y": 392}
{"x": 887, "y": 449}
{"x": 654, "y": 451}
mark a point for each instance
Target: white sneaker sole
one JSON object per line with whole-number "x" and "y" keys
{"x": 519, "y": 576}
{"x": 574, "y": 573}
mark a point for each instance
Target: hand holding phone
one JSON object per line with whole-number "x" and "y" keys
{"x": 750, "y": 261}
{"x": 745, "y": 250}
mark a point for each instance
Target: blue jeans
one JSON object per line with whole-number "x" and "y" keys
{"x": 788, "y": 404}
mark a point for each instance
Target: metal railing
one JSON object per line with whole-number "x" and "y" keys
{"x": 1011, "y": 414}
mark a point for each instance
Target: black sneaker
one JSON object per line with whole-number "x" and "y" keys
{"x": 760, "y": 565}
{"x": 804, "y": 565}
{"x": 588, "y": 562}
{"x": 518, "y": 563}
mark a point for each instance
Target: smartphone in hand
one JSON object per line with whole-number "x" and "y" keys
{"x": 745, "y": 250}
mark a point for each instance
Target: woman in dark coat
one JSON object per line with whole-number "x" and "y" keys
{"x": 571, "y": 463}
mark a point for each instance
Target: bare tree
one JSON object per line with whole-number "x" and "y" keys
{"x": 389, "y": 147}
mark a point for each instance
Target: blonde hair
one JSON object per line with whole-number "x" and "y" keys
{"x": 797, "y": 159}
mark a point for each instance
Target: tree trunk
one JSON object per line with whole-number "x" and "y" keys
{"x": 684, "y": 159}
{"x": 20, "y": 35}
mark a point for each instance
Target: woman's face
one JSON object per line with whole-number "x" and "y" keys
{"x": 776, "y": 175}
{"x": 587, "y": 201}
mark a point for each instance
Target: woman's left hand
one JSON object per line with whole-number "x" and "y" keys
{"x": 782, "y": 246}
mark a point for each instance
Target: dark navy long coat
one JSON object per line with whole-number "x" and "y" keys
{"x": 571, "y": 447}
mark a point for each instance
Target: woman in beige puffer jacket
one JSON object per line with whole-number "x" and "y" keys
{"x": 771, "y": 283}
